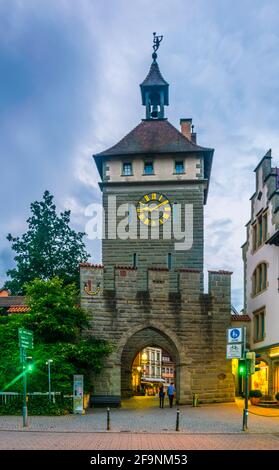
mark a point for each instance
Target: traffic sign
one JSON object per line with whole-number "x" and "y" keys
{"x": 234, "y": 351}
{"x": 235, "y": 335}
{"x": 25, "y": 338}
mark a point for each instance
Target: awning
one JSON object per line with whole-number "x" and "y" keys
{"x": 152, "y": 379}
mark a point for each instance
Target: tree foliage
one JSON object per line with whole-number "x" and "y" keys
{"x": 59, "y": 326}
{"x": 49, "y": 248}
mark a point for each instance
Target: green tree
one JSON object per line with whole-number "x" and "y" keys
{"x": 60, "y": 333}
{"x": 49, "y": 248}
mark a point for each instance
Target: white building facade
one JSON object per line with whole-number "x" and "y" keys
{"x": 261, "y": 276}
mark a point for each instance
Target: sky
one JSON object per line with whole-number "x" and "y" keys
{"x": 70, "y": 74}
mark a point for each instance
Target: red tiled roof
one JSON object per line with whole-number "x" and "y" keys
{"x": 156, "y": 137}
{"x": 18, "y": 309}
{"x": 90, "y": 265}
{"x": 153, "y": 136}
{"x": 240, "y": 318}
{"x": 221, "y": 272}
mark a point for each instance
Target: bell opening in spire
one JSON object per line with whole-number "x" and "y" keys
{"x": 155, "y": 89}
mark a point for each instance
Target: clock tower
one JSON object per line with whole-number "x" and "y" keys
{"x": 161, "y": 172}
{"x": 149, "y": 291}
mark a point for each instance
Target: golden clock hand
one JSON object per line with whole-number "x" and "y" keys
{"x": 161, "y": 204}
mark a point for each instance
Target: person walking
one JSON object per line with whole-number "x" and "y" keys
{"x": 171, "y": 391}
{"x": 161, "y": 396}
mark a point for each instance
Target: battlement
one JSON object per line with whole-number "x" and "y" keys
{"x": 158, "y": 287}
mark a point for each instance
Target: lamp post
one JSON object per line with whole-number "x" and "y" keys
{"x": 49, "y": 361}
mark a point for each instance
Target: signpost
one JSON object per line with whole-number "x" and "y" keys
{"x": 234, "y": 351}
{"x": 25, "y": 338}
{"x": 78, "y": 394}
{"x": 237, "y": 349}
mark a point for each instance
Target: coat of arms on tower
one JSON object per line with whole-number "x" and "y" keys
{"x": 91, "y": 291}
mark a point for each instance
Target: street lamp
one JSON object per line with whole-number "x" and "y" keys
{"x": 139, "y": 375}
{"x": 49, "y": 361}
{"x": 144, "y": 358}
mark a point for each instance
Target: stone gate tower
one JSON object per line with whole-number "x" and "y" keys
{"x": 149, "y": 292}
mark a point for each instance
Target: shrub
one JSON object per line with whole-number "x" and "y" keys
{"x": 38, "y": 405}
{"x": 255, "y": 394}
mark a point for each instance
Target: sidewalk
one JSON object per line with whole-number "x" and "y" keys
{"x": 123, "y": 441}
{"x": 147, "y": 417}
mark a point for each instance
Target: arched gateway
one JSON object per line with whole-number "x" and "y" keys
{"x": 141, "y": 339}
{"x": 150, "y": 290}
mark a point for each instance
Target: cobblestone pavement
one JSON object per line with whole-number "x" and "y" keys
{"x": 143, "y": 415}
{"x": 11, "y": 440}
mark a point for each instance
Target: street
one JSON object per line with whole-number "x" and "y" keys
{"x": 141, "y": 424}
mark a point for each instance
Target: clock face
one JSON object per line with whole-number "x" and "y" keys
{"x": 154, "y": 209}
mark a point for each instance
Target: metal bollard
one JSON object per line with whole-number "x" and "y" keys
{"x": 195, "y": 400}
{"x": 177, "y": 419}
{"x": 108, "y": 419}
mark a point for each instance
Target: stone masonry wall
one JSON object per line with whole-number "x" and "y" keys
{"x": 151, "y": 252}
{"x": 189, "y": 324}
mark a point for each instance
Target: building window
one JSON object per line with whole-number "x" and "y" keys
{"x": 179, "y": 167}
{"x": 169, "y": 261}
{"x": 127, "y": 169}
{"x": 148, "y": 168}
{"x": 259, "y": 279}
{"x": 259, "y": 325}
{"x": 254, "y": 228}
{"x": 260, "y": 231}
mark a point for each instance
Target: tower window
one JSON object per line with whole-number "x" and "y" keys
{"x": 127, "y": 169}
{"x": 148, "y": 168}
{"x": 169, "y": 261}
{"x": 179, "y": 167}
{"x": 135, "y": 260}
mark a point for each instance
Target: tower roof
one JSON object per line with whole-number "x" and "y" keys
{"x": 154, "y": 80}
{"x": 154, "y": 76}
{"x": 155, "y": 137}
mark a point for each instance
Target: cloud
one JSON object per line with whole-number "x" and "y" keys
{"x": 69, "y": 88}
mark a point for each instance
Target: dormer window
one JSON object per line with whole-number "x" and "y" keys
{"x": 127, "y": 169}
{"x": 148, "y": 168}
{"x": 179, "y": 167}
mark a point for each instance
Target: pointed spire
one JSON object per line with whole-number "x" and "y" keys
{"x": 154, "y": 88}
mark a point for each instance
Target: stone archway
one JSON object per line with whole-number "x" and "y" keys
{"x": 147, "y": 336}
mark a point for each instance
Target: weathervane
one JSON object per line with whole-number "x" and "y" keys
{"x": 156, "y": 44}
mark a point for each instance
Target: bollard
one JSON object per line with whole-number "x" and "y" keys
{"x": 177, "y": 420}
{"x": 108, "y": 419}
{"x": 195, "y": 400}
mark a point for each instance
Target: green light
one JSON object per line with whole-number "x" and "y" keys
{"x": 29, "y": 365}
{"x": 241, "y": 370}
